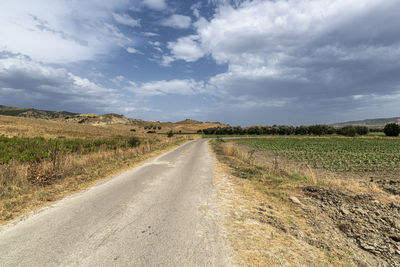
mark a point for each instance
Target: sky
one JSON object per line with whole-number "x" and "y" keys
{"x": 240, "y": 62}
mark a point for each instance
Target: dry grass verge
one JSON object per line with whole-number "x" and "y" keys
{"x": 279, "y": 214}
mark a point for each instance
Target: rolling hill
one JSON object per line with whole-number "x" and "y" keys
{"x": 187, "y": 125}
{"x": 380, "y": 122}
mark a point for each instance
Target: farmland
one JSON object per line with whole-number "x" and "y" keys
{"x": 335, "y": 153}
{"x": 335, "y": 198}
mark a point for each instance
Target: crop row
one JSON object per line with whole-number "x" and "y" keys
{"x": 335, "y": 154}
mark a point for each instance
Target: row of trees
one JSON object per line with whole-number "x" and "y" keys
{"x": 154, "y": 127}
{"x": 319, "y": 129}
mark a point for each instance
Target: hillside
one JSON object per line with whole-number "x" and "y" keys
{"x": 380, "y": 122}
{"x": 34, "y": 113}
{"x": 187, "y": 125}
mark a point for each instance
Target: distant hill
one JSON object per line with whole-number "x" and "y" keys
{"x": 34, "y": 113}
{"x": 187, "y": 125}
{"x": 369, "y": 122}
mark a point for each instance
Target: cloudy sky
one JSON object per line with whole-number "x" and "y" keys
{"x": 237, "y": 61}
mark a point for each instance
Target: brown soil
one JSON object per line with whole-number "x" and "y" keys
{"x": 373, "y": 225}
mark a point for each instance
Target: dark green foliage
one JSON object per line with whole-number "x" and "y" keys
{"x": 159, "y": 127}
{"x": 321, "y": 129}
{"x": 134, "y": 141}
{"x": 151, "y": 132}
{"x": 301, "y": 130}
{"x": 272, "y": 130}
{"x": 392, "y": 129}
{"x": 362, "y": 130}
{"x": 170, "y": 134}
{"x": 347, "y": 131}
{"x": 375, "y": 130}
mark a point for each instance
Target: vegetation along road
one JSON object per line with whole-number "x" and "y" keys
{"x": 161, "y": 213}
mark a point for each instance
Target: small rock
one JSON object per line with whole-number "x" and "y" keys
{"x": 344, "y": 211}
{"x": 295, "y": 200}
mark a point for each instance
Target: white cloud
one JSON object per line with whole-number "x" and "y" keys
{"x": 177, "y": 21}
{"x": 117, "y": 80}
{"x": 150, "y": 34}
{"x": 132, "y": 50}
{"x": 83, "y": 36}
{"x": 166, "y": 61}
{"x": 297, "y": 48}
{"x": 155, "y": 43}
{"x": 186, "y": 48}
{"x": 155, "y": 4}
{"x": 179, "y": 87}
{"x": 26, "y": 82}
{"x": 125, "y": 19}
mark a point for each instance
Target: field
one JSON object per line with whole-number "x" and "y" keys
{"x": 335, "y": 153}
{"x": 336, "y": 199}
{"x": 44, "y": 160}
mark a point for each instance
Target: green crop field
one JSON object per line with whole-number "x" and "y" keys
{"x": 335, "y": 154}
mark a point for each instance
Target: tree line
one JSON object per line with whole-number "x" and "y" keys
{"x": 319, "y": 129}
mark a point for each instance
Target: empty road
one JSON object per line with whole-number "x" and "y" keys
{"x": 162, "y": 213}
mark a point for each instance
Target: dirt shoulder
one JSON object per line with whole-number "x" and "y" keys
{"x": 279, "y": 216}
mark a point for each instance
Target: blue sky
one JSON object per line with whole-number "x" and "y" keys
{"x": 240, "y": 62}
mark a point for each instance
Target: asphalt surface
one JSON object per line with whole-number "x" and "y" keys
{"x": 162, "y": 213}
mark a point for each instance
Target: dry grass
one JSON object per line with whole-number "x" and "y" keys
{"x": 20, "y": 193}
{"x": 25, "y": 186}
{"x": 27, "y": 127}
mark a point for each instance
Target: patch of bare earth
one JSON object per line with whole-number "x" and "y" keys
{"x": 279, "y": 213}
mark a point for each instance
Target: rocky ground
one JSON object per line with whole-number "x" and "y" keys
{"x": 373, "y": 225}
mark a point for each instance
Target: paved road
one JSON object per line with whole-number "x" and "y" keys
{"x": 162, "y": 213}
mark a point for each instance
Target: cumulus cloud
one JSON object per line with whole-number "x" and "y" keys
{"x": 24, "y": 82}
{"x": 125, "y": 19}
{"x": 186, "y": 48}
{"x": 300, "y": 53}
{"x": 163, "y": 87}
{"x": 177, "y": 21}
{"x": 50, "y": 30}
{"x": 155, "y": 4}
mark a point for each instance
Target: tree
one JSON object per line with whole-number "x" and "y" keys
{"x": 348, "y": 131}
{"x": 170, "y": 134}
{"x": 392, "y": 129}
{"x": 362, "y": 130}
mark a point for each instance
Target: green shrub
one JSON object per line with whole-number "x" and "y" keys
{"x": 362, "y": 130}
{"x": 348, "y": 131}
{"x": 170, "y": 134}
{"x": 134, "y": 141}
{"x": 392, "y": 129}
